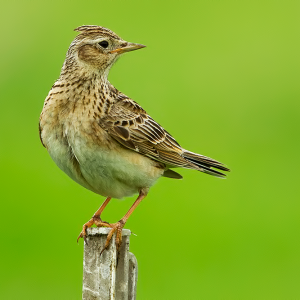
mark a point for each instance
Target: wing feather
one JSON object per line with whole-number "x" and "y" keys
{"x": 132, "y": 127}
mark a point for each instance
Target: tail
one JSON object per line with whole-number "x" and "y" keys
{"x": 205, "y": 164}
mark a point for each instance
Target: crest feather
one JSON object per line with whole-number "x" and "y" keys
{"x": 85, "y": 29}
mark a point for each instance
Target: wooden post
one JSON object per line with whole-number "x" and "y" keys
{"x": 105, "y": 278}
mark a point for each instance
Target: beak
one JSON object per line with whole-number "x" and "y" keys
{"x": 127, "y": 48}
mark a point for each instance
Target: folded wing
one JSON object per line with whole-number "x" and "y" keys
{"x": 132, "y": 127}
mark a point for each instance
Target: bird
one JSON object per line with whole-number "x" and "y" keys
{"x": 101, "y": 138}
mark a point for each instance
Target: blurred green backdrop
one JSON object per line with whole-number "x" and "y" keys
{"x": 223, "y": 78}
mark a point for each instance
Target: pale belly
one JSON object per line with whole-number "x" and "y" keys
{"x": 116, "y": 171}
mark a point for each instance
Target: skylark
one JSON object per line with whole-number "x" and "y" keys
{"x": 101, "y": 138}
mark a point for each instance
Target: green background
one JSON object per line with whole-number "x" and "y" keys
{"x": 223, "y": 78}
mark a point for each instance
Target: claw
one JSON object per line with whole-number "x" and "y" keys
{"x": 95, "y": 220}
{"x": 116, "y": 227}
{"x": 85, "y": 240}
{"x": 82, "y": 235}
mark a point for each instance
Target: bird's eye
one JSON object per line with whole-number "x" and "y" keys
{"x": 104, "y": 44}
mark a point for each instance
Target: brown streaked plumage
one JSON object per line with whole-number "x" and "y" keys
{"x": 100, "y": 137}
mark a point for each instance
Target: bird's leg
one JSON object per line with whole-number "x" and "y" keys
{"x": 117, "y": 227}
{"x": 95, "y": 220}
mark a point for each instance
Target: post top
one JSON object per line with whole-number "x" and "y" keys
{"x": 105, "y": 231}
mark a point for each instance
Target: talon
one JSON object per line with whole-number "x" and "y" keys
{"x": 82, "y": 234}
{"x": 95, "y": 220}
{"x": 85, "y": 239}
{"x": 116, "y": 227}
{"x": 78, "y": 238}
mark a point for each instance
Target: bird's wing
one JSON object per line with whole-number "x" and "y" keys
{"x": 132, "y": 127}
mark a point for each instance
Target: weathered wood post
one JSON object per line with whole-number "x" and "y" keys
{"x": 105, "y": 278}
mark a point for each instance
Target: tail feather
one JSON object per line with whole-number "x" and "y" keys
{"x": 205, "y": 163}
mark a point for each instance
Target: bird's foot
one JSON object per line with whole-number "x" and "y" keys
{"x": 94, "y": 220}
{"x": 115, "y": 228}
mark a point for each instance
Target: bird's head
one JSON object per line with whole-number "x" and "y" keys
{"x": 97, "y": 48}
